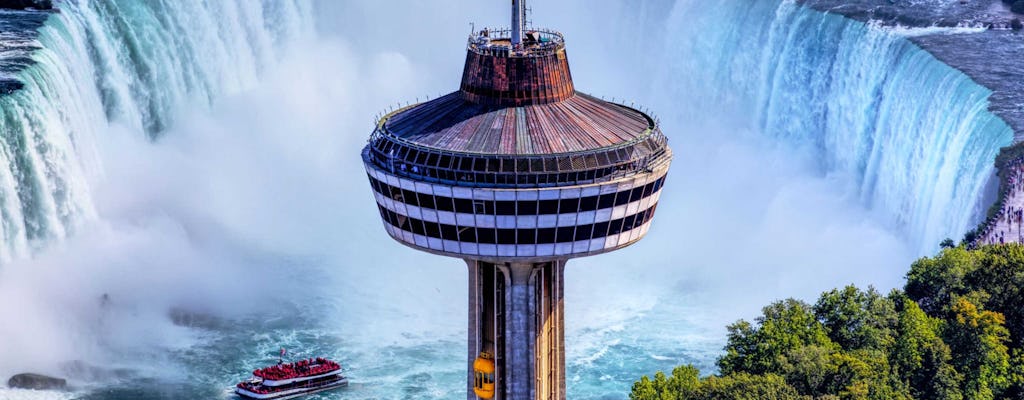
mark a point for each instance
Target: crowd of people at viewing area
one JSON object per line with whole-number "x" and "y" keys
{"x": 298, "y": 369}
{"x": 1008, "y": 224}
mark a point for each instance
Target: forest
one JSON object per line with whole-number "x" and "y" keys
{"x": 955, "y": 331}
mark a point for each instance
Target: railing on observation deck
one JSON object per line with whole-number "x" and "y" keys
{"x": 498, "y": 43}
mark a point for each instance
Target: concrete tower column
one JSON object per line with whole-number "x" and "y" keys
{"x": 516, "y": 314}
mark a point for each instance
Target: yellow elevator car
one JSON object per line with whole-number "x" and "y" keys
{"x": 483, "y": 371}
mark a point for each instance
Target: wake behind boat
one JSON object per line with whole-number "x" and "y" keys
{"x": 288, "y": 381}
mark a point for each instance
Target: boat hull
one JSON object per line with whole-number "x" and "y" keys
{"x": 293, "y": 393}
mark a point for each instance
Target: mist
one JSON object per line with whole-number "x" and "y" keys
{"x": 253, "y": 208}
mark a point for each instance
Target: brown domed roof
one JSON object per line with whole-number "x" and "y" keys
{"x": 580, "y": 123}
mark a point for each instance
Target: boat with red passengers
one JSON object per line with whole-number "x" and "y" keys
{"x": 291, "y": 380}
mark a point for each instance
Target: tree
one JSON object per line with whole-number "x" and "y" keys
{"x": 978, "y": 339}
{"x": 685, "y": 385}
{"x": 644, "y": 390}
{"x": 783, "y": 327}
{"x": 856, "y": 319}
{"x": 811, "y": 370}
{"x": 932, "y": 282}
{"x": 920, "y": 359}
{"x": 746, "y": 387}
{"x": 683, "y": 382}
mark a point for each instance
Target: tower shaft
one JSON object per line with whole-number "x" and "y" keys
{"x": 516, "y": 314}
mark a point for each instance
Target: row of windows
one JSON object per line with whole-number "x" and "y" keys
{"x": 506, "y": 171}
{"x": 517, "y": 236}
{"x": 388, "y": 149}
{"x": 500, "y": 179}
{"x": 525, "y": 207}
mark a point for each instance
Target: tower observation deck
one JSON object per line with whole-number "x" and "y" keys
{"x": 516, "y": 173}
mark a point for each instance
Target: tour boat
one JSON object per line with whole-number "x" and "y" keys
{"x": 288, "y": 381}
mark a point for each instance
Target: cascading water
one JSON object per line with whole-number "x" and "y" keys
{"x": 134, "y": 63}
{"x": 909, "y": 135}
{"x": 913, "y": 134}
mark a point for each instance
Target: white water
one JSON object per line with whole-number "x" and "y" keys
{"x": 913, "y": 134}
{"x": 124, "y": 62}
{"x": 262, "y": 200}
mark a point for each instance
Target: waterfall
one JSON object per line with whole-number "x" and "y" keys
{"x": 913, "y": 135}
{"x": 126, "y": 62}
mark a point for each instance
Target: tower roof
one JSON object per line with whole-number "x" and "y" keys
{"x": 581, "y": 123}
{"x": 517, "y": 121}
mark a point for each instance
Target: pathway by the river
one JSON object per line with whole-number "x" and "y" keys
{"x": 1009, "y": 226}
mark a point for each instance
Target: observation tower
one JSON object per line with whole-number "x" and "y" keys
{"x": 516, "y": 173}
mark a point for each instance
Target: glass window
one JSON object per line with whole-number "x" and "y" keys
{"x": 526, "y": 236}
{"x": 425, "y": 201}
{"x": 505, "y": 207}
{"x": 615, "y": 227}
{"x": 588, "y": 203}
{"x": 417, "y": 227}
{"x": 600, "y": 229}
{"x": 506, "y": 236}
{"x": 449, "y": 232}
{"x": 622, "y": 198}
{"x": 628, "y": 222}
{"x": 409, "y": 197}
{"x": 486, "y": 236}
{"x": 569, "y": 206}
{"x": 546, "y": 235}
{"x": 467, "y": 234}
{"x": 606, "y": 201}
{"x": 508, "y": 165}
{"x": 403, "y": 222}
{"x": 636, "y": 194}
{"x": 528, "y": 207}
{"x": 583, "y": 232}
{"x": 464, "y": 206}
{"x": 444, "y": 204}
{"x": 522, "y": 165}
{"x": 565, "y": 234}
{"x": 432, "y": 229}
{"x": 551, "y": 164}
{"x": 536, "y": 165}
{"x": 547, "y": 207}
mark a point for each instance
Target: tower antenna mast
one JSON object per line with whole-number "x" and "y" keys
{"x": 518, "y": 19}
